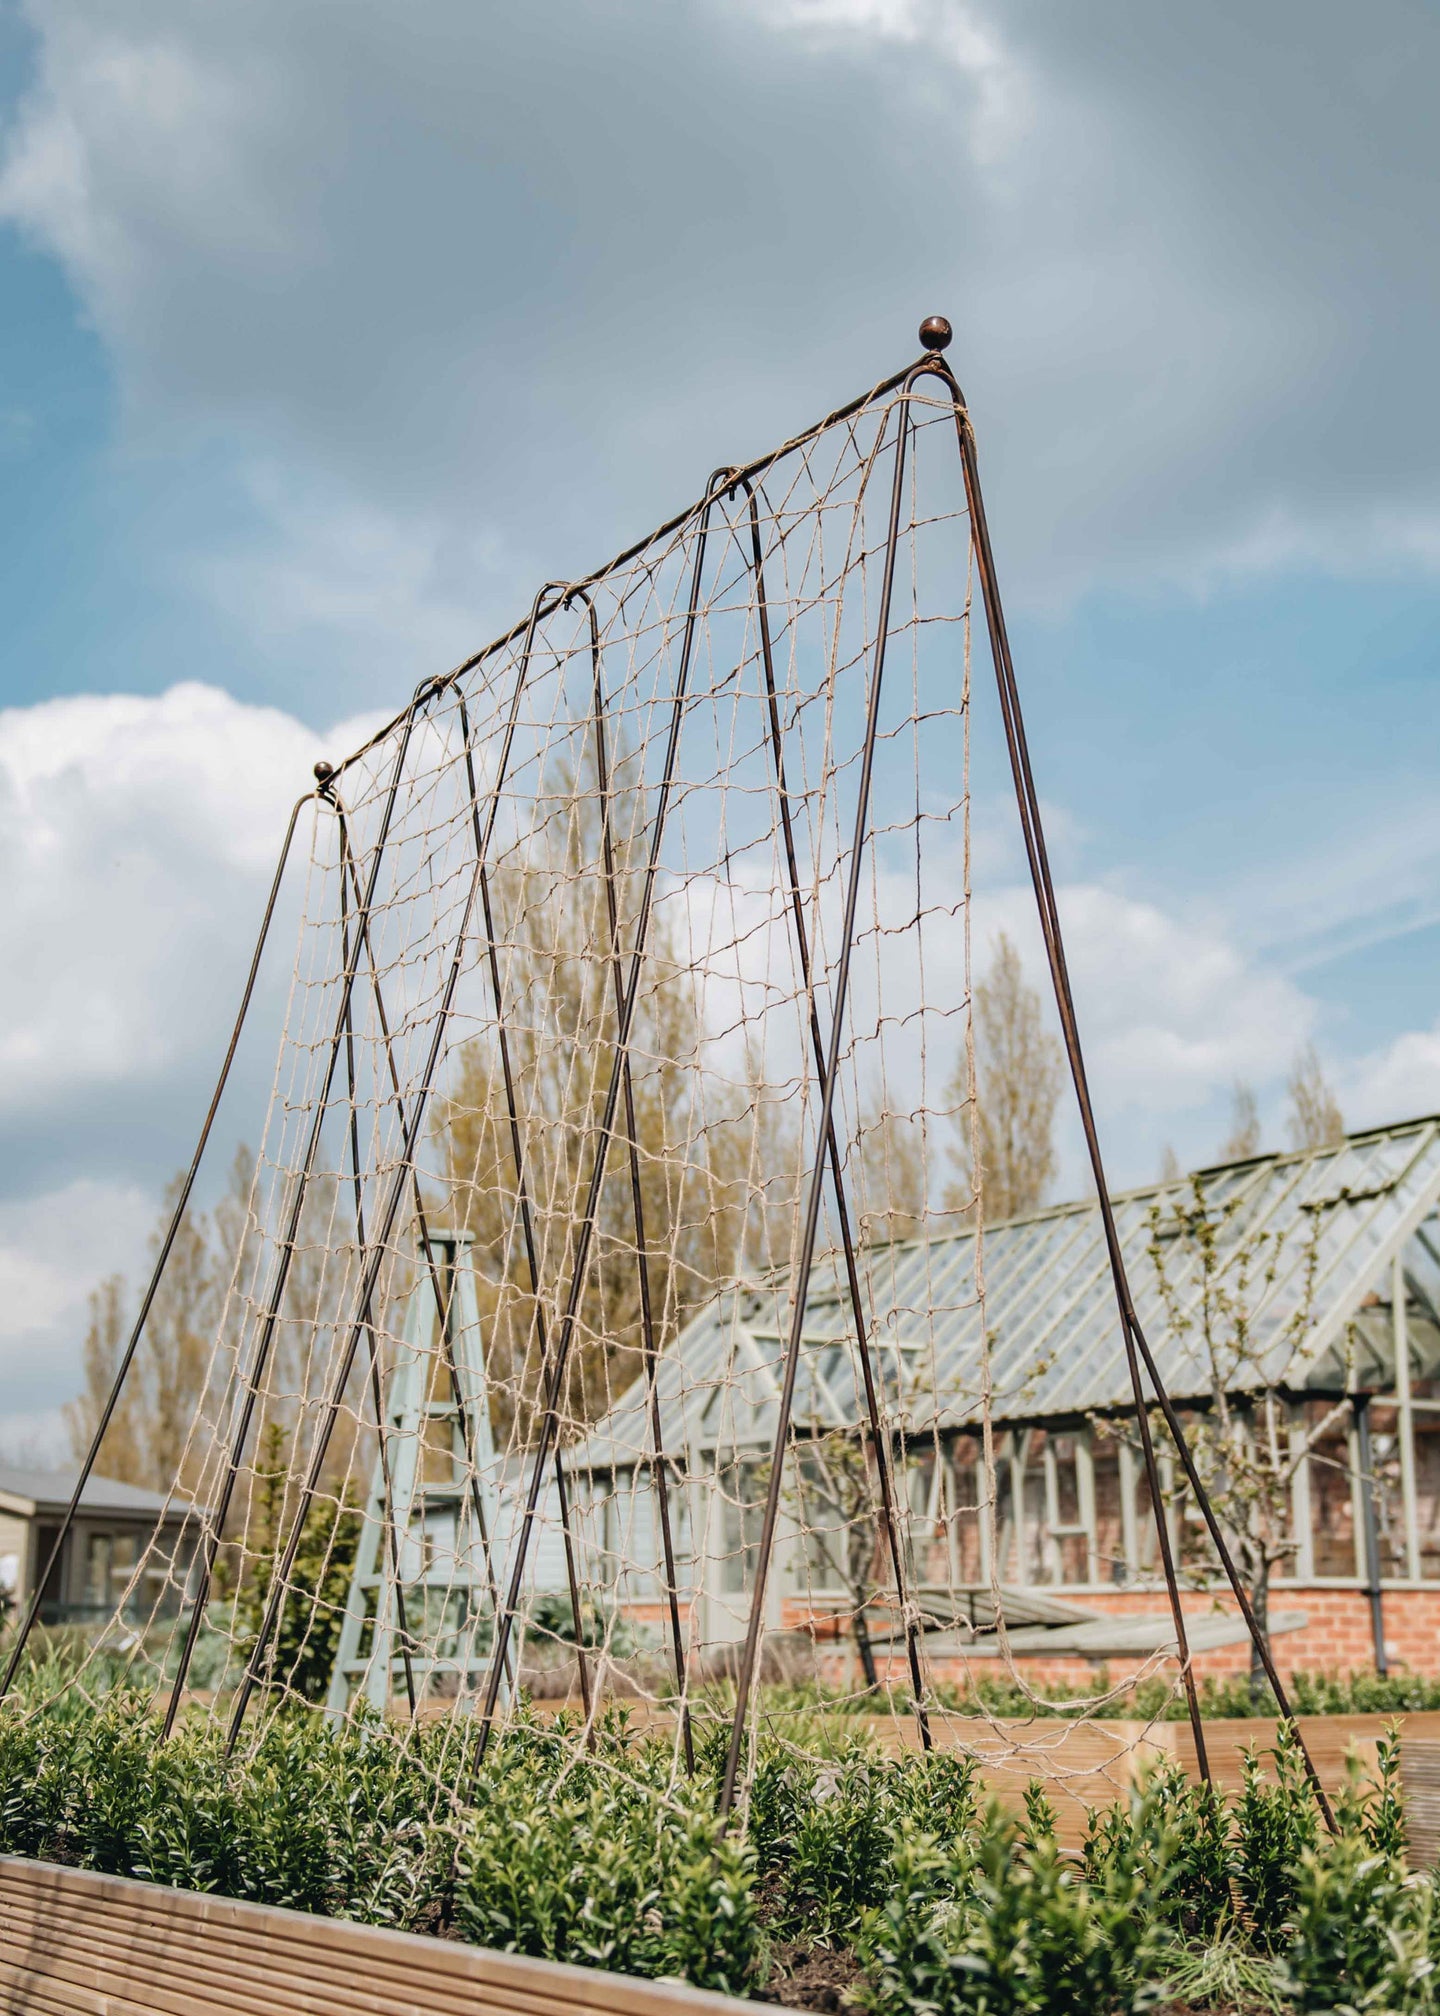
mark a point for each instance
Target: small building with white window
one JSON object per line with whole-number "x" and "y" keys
{"x": 1332, "y": 1256}
{"x": 127, "y": 1554}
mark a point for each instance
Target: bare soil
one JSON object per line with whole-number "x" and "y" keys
{"x": 811, "y": 1977}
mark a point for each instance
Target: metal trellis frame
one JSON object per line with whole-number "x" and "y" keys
{"x": 555, "y": 1352}
{"x": 550, "y": 1419}
{"x": 201, "y": 1594}
{"x": 127, "y": 1357}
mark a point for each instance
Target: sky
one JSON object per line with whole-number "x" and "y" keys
{"x": 328, "y": 331}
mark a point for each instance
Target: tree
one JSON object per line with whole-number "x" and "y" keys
{"x": 122, "y": 1453}
{"x": 148, "y": 1441}
{"x": 199, "y": 1327}
{"x": 1243, "y": 1140}
{"x": 701, "y": 1193}
{"x": 831, "y": 1496}
{"x": 894, "y": 1192}
{"x": 173, "y": 1366}
{"x": 1213, "y": 1276}
{"x": 301, "y": 1656}
{"x": 1018, "y": 1067}
{"x": 1315, "y": 1117}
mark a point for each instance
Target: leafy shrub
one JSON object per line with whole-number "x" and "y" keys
{"x": 887, "y": 1865}
{"x": 1275, "y": 1827}
{"x": 1382, "y": 1819}
{"x": 1154, "y": 1699}
{"x": 608, "y": 1877}
{"x": 912, "y": 1944}
{"x": 1169, "y": 1824}
{"x": 307, "y": 1632}
{"x": 320, "y": 1821}
{"x": 836, "y": 1857}
{"x": 825, "y": 1833}
{"x": 1006, "y": 1924}
{"x": 1359, "y": 1932}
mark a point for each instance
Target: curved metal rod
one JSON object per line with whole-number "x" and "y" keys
{"x": 1037, "y": 855}
{"x": 879, "y": 1439}
{"x": 522, "y": 1189}
{"x": 442, "y": 1021}
{"x": 550, "y": 1423}
{"x": 377, "y": 1390}
{"x": 659, "y": 1471}
{"x": 282, "y": 1271}
{"x": 371, "y": 1272}
{"x": 444, "y": 1295}
{"x": 167, "y": 1243}
{"x": 699, "y": 509}
{"x": 801, "y": 1293}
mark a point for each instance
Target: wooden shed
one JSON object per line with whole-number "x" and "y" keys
{"x": 108, "y": 1566}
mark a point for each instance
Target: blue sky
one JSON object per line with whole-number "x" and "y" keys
{"x": 326, "y": 332}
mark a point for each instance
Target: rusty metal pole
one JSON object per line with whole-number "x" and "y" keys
{"x": 936, "y": 335}
{"x": 800, "y": 1294}
{"x": 879, "y": 1439}
{"x": 550, "y": 1421}
{"x": 127, "y": 1357}
{"x": 522, "y": 1188}
{"x": 271, "y": 1320}
{"x": 651, "y": 1351}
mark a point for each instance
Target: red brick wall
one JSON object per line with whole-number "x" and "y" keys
{"x": 1336, "y": 1637}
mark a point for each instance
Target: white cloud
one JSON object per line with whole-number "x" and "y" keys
{"x": 1171, "y": 1012}
{"x": 957, "y": 34}
{"x": 113, "y": 209}
{"x": 54, "y": 1249}
{"x": 507, "y": 275}
{"x": 135, "y": 837}
{"x": 1397, "y": 1080}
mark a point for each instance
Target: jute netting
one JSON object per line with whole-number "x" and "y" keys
{"x": 597, "y": 1324}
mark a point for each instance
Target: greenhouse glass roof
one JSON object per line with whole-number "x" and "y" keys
{"x": 1304, "y": 1240}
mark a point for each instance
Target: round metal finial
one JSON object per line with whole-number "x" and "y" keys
{"x": 324, "y": 772}
{"x": 935, "y": 333}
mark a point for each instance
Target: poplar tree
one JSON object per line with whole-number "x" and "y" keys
{"x": 1018, "y": 1073}
{"x": 1243, "y": 1140}
{"x": 1315, "y": 1117}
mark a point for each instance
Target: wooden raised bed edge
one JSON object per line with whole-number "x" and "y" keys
{"x": 77, "y": 1943}
{"x": 1082, "y": 1764}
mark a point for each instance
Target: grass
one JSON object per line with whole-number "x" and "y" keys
{"x": 1225, "y": 1974}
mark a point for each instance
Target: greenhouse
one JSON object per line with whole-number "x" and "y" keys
{"x": 1338, "y": 1254}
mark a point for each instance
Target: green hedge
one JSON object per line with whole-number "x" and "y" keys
{"x": 1156, "y": 1699}
{"x": 915, "y": 1895}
